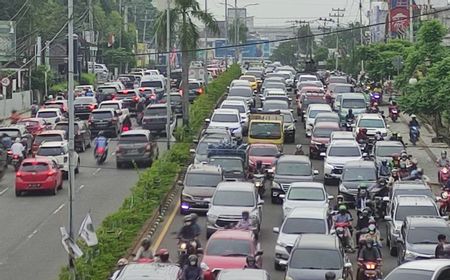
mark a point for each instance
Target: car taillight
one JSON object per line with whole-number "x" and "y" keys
{"x": 51, "y": 173}
{"x": 18, "y": 174}
{"x": 66, "y": 159}
{"x": 136, "y": 99}
{"x": 141, "y": 90}
{"x": 9, "y": 152}
{"x": 200, "y": 90}
{"x": 181, "y": 92}
{"x": 91, "y": 107}
{"x": 148, "y": 148}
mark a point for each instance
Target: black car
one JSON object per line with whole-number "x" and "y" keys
{"x": 131, "y": 100}
{"x": 176, "y": 102}
{"x": 106, "y": 120}
{"x": 84, "y": 105}
{"x": 155, "y": 118}
{"x": 354, "y": 174}
{"x": 82, "y": 133}
{"x": 128, "y": 80}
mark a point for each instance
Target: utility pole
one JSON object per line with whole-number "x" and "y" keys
{"x": 145, "y": 26}
{"x": 120, "y": 33}
{"x": 411, "y": 22}
{"x": 226, "y": 33}
{"x": 205, "y": 66}
{"x": 125, "y": 18}
{"x": 236, "y": 30}
{"x": 91, "y": 27}
{"x": 169, "y": 106}
{"x": 38, "y": 50}
{"x": 361, "y": 32}
{"x": 337, "y": 14}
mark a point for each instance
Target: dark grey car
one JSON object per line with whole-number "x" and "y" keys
{"x": 155, "y": 118}
{"x": 136, "y": 146}
{"x": 355, "y": 173}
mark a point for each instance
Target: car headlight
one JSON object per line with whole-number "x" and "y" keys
{"x": 258, "y": 184}
{"x": 282, "y": 244}
{"x": 328, "y": 166}
{"x": 212, "y": 216}
{"x": 187, "y": 196}
{"x": 204, "y": 266}
{"x": 290, "y": 127}
{"x": 409, "y": 255}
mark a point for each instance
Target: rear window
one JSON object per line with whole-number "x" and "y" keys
{"x": 13, "y": 133}
{"x": 156, "y": 112}
{"x": 48, "y": 138}
{"x": 65, "y": 127}
{"x": 47, "y": 114}
{"x": 240, "y": 108}
{"x": 353, "y": 103}
{"x": 203, "y": 180}
{"x": 51, "y": 151}
{"x": 101, "y": 115}
{"x": 130, "y": 139}
{"x": 154, "y": 84}
{"x": 225, "y": 118}
{"x": 107, "y": 90}
{"x": 194, "y": 86}
{"x": 34, "y": 166}
{"x": 114, "y": 106}
{"x": 323, "y": 132}
{"x": 85, "y": 100}
{"x": 122, "y": 95}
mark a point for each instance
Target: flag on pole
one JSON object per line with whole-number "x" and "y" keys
{"x": 87, "y": 231}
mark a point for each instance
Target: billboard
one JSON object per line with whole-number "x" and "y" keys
{"x": 220, "y": 52}
{"x": 257, "y": 49}
{"x": 7, "y": 41}
{"x": 399, "y": 17}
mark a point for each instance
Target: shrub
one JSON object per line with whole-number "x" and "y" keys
{"x": 87, "y": 79}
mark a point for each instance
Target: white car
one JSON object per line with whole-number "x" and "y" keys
{"x": 338, "y": 153}
{"x": 305, "y": 194}
{"x": 50, "y": 115}
{"x": 342, "y": 135}
{"x": 373, "y": 123}
{"x": 311, "y": 114}
{"x": 118, "y": 106}
{"x": 60, "y": 151}
{"x": 240, "y": 83}
{"x": 229, "y": 118}
{"x": 239, "y": 105}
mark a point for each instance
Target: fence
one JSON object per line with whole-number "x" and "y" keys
{"x": 21, "y": 101}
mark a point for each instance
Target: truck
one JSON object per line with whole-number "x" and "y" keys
{"x": 266, "y": 128}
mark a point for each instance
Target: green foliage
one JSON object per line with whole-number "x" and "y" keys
{"x": 87, "y": 79}
{"x": 285, "y": 53}
{"x": 114, "y": 57}
{"x": 119, "y": 230}
{"x": 321, "y": 54}
{"x": 38, "y": 78}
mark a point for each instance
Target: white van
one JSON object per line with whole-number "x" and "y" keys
{"x": 153, "y": 81}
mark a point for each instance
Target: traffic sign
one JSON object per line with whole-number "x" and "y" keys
{"x": 5, "y": 82}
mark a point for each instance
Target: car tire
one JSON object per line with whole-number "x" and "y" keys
{"x": 83, "y": 146}
{"x": 118, "y": 165}
{"x": 54, "y": 191}
{"x": 278, "y": 267}
{"x": 77, "y": 168}
{"x": 392, "y": 250}
{"x": 18, "y": 193}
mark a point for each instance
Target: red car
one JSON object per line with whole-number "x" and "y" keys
{"x": 229, "y": 249}
{"x": 309, "y": 98}
{"x": 38, "y": 174}
{"x": 33, "y": 126}
{"x": 320, "y": 138}
{"x": 266, "y": 153}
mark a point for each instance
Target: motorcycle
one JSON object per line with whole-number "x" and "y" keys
{"x": 259, "y": 181}
{"x": 443, "y": 175}
{"x": 444, "y": 203}
{"x": 393, "y": 114}
{"x": 375, "y": 97}
{"x": 185, "y": 249}
{"x": 414, "y": 134}
{"x": 370, "y": 271}
{"x": 16, "y": 161}
{"x": 348, "y": 125}
{"x": 101, "y": 154}
{"x": 342, "y": 232}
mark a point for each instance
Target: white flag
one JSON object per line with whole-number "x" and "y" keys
{"x": 87, "y": 231}
{"x": 71, "y": 247}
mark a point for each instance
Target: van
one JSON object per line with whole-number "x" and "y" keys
{"x": 153, "y": 81}
{"x": 355, "y": 101}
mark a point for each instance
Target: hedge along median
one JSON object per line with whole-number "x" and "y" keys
{"x": 118, "y": 231}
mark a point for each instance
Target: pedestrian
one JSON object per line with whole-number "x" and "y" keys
{"x": 442, "y": 249}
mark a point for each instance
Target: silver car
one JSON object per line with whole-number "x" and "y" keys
{"x": 305, "y": 194}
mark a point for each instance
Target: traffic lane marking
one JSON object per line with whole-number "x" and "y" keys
{"x": 166, "y": 227}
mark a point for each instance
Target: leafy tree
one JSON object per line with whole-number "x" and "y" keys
{"x": 321, "y": 54}
{"x": 285, "y": 53}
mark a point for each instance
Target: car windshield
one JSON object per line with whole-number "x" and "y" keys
{"x": 313, "y": 113}
{"x": 162, "y": 112}
{"x": 353, "y": 103}
{"x": 274, "y": 85}
{"x": 293, "y": 168}
{"x": 202, "y": 180}
{"x": 305, "y": 193}
{"x": 194, "y": 85}
{"x": 261, "y": 130}
{"x": 344, "y": 151}
{"x": 322, "y": 132}
{"x": 231, "y": 118}
{"x": 132, "y": 138}
{"x": 152, "y": 84}
{"x": 107, "y": 90}
{"x": 228, "y": 164}
{"x": 228, "y": 247}
{"x": 371, "y": 123}
{"x": 34, "y": 166}
{"x": 234, "y": 198}
{"x": 257, "y": 74}
{"x": 268, "y": 106}
{"x": 316, "y": 259}
{"x": 426, "y": 235}
{"x": 405, "y": 211}
{"x": 46, "y": 114}
{"x": 411, "y": 274}
{"x": 243, "y": 92}
{"x": 388, "y": 151}
{"x": 304, "y": 225}
{"x": 359, "y": 174}
{"x": 51, "y": 151}
{"x": 248, "y": 78}
{"x": 307, "y": 78}
{"x": 13, "y": 133}
{"x": 326, "y": 118}
{"x": 175, "y": 98}
{"x": 101, "y": 115}
{"x": 47, "y": 138}
{"x": 84, "y": 100}
{"x": 343, "y": 89}
{"x": 28, "y": 123}
{"x": 287, "y": 118}
{"x": 263, "y": 151}
{"x": 240, "y": 108}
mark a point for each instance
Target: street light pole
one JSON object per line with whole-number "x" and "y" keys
{"x": 168, "y": 105}
{"x": 226, "y": 33}
{"x": 236, "y": 30}
{"x": 205, "y": 66}
{"x": 411, "y": 27}
{"x": 361, "y": 32}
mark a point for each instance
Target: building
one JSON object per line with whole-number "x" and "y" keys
{"x": 377, "y": 15}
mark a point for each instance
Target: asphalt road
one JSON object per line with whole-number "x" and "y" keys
{"x": 30, "y": 240}
{"x": 272, "y": 214}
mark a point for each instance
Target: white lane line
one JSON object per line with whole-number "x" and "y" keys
{"x": 81, "y": 187}
{"x": 113, "y": 153}
{"x": 96, "y": 171}
{"x": 59, "y": 208}
{"x": 4, "y": 191}
{"x": 33, "y": 233}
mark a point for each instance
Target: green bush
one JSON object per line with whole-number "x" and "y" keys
{"x": 87, "y": 79}
{"x": 118, "y": 230}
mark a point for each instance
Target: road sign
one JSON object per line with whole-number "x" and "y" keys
{"x": 6, "y": 82}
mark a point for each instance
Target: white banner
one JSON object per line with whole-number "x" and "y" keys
{"x": 87, "y": 231}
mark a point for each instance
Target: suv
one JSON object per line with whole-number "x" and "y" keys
{"x": 354, "y": 174}
{"x": 338, "y": 153}
{"x": 373, "y": 123}
{"x": 320, "y": 138}
{"x": 60, "y": 152}
{"x": 401, "y": 207}
{"x": 82, "y": 133}
{"x": 48, "y": 136}
{"x": 311, "y": 114}
{"x": 229, "y": 201}
{"x": 166, "y": 271}
{"x": 313, "y": 255}
{"x": 322, "y": 117}
{"x": 244, "y": 92}
{"x": 410, "y": 188}
{"x": 290, "y": 169}
{"x": 84, "y": 105}
{"x": 131, "y": 100}
{"x": 436, "y": 269}
{"x": 417, "y": 237}
{"x": 383, "y": 150}
{"x": 299, "y": 221}
{"x": 136, "y": 145}
{"x": 155, "y": 118}
{"x": 305, "y": 194}
{"x": 105, "y": 119}
{"x": 229, "y": 118}
{"x": 241, "y": 106}
{"x": 50, "y": 115}
{"x": 198, "y": 187}
{"x": 355, "y": 101}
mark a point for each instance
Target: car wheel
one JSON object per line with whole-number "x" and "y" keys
{"x": 118, "y": 165}
{"x": 278, "y": 267}
{"x": 65, "y": 175}
{"x": 18, "y": 193}
{"x": 83, "y": 147}
{"x": 392, "y": 250}
{"x": 399, "y": 257}
{"x": 54, "y": 191}
{"x": 77, "y": 169}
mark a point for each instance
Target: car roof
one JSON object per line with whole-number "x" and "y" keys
{"x": 307, "y": 76}
{"x": 49, "y": 110}
{"x": 233, "y": 234}
{"x": 149, "y": 271}
{"x": 352, "y": 95}
{"x": 345, "y": 143}
{"x": 111, "y": 101}
{"x": 326, "y": 114}
{"x": 327, "y": 124}
{"x": 103, "y": 110}
{"x": 388, "y": 143}
{"x": 319, "y": 107}
{"x": 53, "y": 131}
{"x": 360, "y": 163}
{"x": 53, "y": 144}
{"x": 410, "y": 185}
{"x": 13, "y": 126}
{"x": 294, "y": 158}
{"x": 308, "y": 212}
{"x": 342, "y": 134}
{"x": 414, "y": 200}
{"x": 226, "y": 111}
{"x": 262, "y": 145}
{"x": 317, "y": 185}
{"x": 39, "y": 159}
{"x": 236, "y": 186}
{"x": 431, "y": 265}
{"x": 275, "y": 101}
{"x": 317, "y": 241}
{"x": 136, "y": 132}
{"x": 156, "y": 105}
{"x": 203, "y": 168}
{"x": 233, "y": 102}
{"x": 426, "y": 221}
{"x": 370, "y": 116}
{"x": 242, "y": 273}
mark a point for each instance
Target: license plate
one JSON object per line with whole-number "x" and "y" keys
{"x": 34, "y": 186}
{"x": 133, "y": 151}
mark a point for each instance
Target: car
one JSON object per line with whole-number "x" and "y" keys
{"x": 276, "y": 95}
{"x": 139, "y": 271}
{"x": 417, "y": 237}
{"x": 84, "y": 105}
{"x": 338, "y": 153}
{"x": 252, "y": 80}
{"x": 346, "y": 101}
{"x": 198, "y": 187}
{"x": 33, "y": 126}
{"x": 313, "y": 255}
{"x": 229, "y": 118}
{"x": 118, "y": 105}
{"x": 244, "y": 92}
{"x": 136, "y": 146}
{"x": 373, "y": 123}
{"x": 106, "y": 120}
{"x": 273, "y": 84}
{"x": 410, "y": 188}
{"x": 241, "y": 106}
{"x": 312, "y": 87}
{"x": 48, "y": 136}
{"x": 228, "y": 202}
{"x": 336, "y": 88}
{"x": 129, "y": 81}
{"x": 320, "y": 138}
{"x": 275, "y": 105}
{"x": 176, "y": 102}
{"x": 305, "y": 194}
{"x": 229, "y": 249}
{"x": 131, "y": 100}
{"x": 82, "y": 133}
{"x": 384, "y": 150}
{"x": 217, "y": 132}
{"x": 401, "y": 207}
{"x": 243, "y": 273}
{"x": 50, "y": 115}
{"x": 266, "y": 153}
{"x": 337, "y": 80}
{"x": 307, "y": 99}
{"x": 307, "y": 78}
{"x": 107, "y": 92}
{"x": 59, "y": 151}
{"x": 288, "y": 126}
{"x": 201, "y": 152}
{"x": 155, "y": 118}
{"x": 436, "y": 269}
{"x": 322, "y": 117}
{"x": 38, "y": 174}
{"x": 153, "y": 81}
{"x": 342, "y": 135}
{"x": 301, "y": 220}
{"x": 240, "y": 83}
{"x": 290, "y": 169}
{"x": 311, "y": 114}
{"x": 18, "y": 131}
{"x": 355, "y": 173}
{"x": 232, "y": 162}
{"x": 196, "y": 88}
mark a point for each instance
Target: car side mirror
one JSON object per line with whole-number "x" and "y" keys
{"x": 259, "y": 253}
{"x": 192, "y": 151}
{"x": 386, "y": 199}
{"x": 387, "y": 218}
{"x": 283, "y": 262}
{"x": 179, "y": 183}
{"x": 207, "y": 120}
{"x": 348, "y": 265}
{"x": 330, "y": 197}
{"x": 282, "y": 196}
{"x": 323, "y": 154}
{"x": 57, "y": 120}
{"x": 276, "y": 230}
{"x": 316, "y": 172}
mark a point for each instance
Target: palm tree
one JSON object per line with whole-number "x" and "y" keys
{"x": 185, "y": 32}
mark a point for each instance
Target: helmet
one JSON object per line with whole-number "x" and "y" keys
{"x": 245, "y": 214}
{"x": 404, "y": 155}
{"x": 100, "y": 133}
{"x": 194, "y": 217}
{"x": 413, "y": 116}
{"x": 350, "y": 111}
{"x": 299, "y": 147}
{"x": 444, "y": 154}
{"x": 372, "y": 228}
{"x": 375, "y": 104}
{"x": 163, "y": 254}
{"x": 382, "y": 181}
{"x": 146, "y": 242}
{"x": 340, "y": 196}
{"x": 17, "y": 140}
{"x": 187, "y": 218}
{"x": 192, "y": 259}
{"x": 362, "y": 186}
{"x": 342, "y": 207}
{"x": 250, "y": 259}
{"x": 365, "y": 212}
{"x": 122, "y": 262}
{"x": 384, "y": 162}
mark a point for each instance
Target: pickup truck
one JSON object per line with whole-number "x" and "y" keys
{"x": 118, "y": 106}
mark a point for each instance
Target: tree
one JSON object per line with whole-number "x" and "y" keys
{"x": 321, "y": 54}
{"x": 182, "y": 18}
{"x": 285, "y": 53}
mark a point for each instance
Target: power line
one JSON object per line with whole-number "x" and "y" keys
{"x": 21, "y": 8}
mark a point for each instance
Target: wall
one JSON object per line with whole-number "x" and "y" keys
{"x": 21, "y": 101}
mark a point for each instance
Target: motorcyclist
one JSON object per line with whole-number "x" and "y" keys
{"x": 374, "y": 108}
{"x": 363, "y": 222}
{"x": 144, "y": 251}
{"x": 250, "y": 262}
{"x": 89, "y": 92}
{"x": 6, "y": 141}
{"x": 343, "y": 217}
{"x": 192, "y": 271}
{"x": 14, "y": 117}
{"x": 362, "y": 135}
{"x": 34, "y": 109}
{"x": 404, "y": 158}
{"x": 415, "y": 175}
{"x": 394, "y": 177}
{"x": 374, "y": 234}
{"x": 299, "y": 150}
{"x": 442, "y": 250}
{"x": 245, "y": 222}
{"x": 384, "y": 170}
{"x": 163, "y": 256}
{"x": 189, "y": 230}
{"x": 378, "y": 136}
{"x": 393, "y": 106}
{"x": 381, "y": 185}
{"x": 362, "y": 197}
{"x": 395, "y": 163}
{"x": 443, "y": 161}
{"x": 350, "y": 117}
{"x": 414, "y": 122}
{"x": 368, "y": 254}
{"x": 120, "y": 266}
{"x": 100, "y": 141}
{"x": 18, "y": 149}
